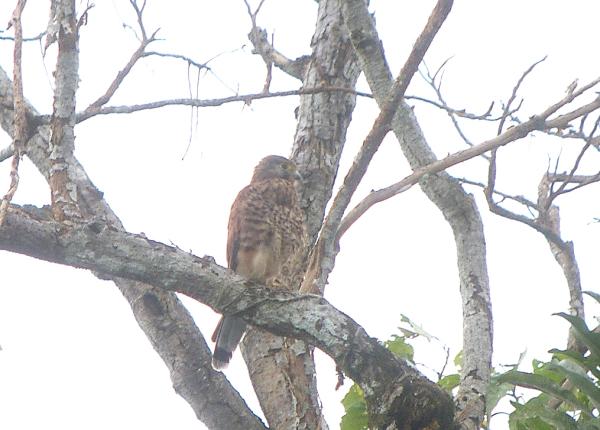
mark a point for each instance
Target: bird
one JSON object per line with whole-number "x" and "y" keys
{"x": 265, "y": 241}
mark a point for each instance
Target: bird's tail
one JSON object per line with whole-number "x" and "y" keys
{"x": 227, "y": 335}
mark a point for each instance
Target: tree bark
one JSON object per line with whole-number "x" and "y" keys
{"x": 458, "y": 208}
{"x": 161, "y": 315}
{"x": 63, "y": 190}
{"x": 283, "y": 370}
{"x": 397, "y": 394}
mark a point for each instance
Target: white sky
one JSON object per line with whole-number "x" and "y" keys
{"x": 72, "y": 355}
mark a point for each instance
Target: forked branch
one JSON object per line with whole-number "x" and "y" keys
{"x": 324, "y": 251}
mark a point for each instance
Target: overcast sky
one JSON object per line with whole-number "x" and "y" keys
{"x": 72, "y": 355}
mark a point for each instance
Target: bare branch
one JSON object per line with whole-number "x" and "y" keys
{"x": 293, "y": 67}
{"x": 139, "y": 53}
{"x": 25, "y": 39}
{"x": 246, "y": 98}
{"x": 507, "y": 111}
{"x": 452, "y": 113}
{"x": 139, "y": 12}
{"x": 20, "y": 118}
{"x": 258, "y": 38}
{"x": 316, "y": 276}
{"x": 519, "y": 199}
{"x": 567, "y": 179}
{"x": 564, "y": 254}
{"x": 188, "y": 60}
{"x": 12, "y": 189}
{"x": 580, "y": 180}
{"x": 266, "y": 49}
{"x": 462, "y": 113}
{"x": 392, "y": 386}
{"x": 537, "y": 122}
{"x": 63, "y": 190}
{"x": 160, "y": 314}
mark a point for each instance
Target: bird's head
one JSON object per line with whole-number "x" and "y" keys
{"x": 275, "y": 166}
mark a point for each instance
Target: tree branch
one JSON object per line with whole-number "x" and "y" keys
{"x": 391, "y": 386}
{"x": 62, "y": 142}
{"x": 537, "y": 122}
{"x": 287, "y": 365}
{"x": 20, "y": 119}
{"x": 323, "y": 256}
{"x": 258, "y": 36}
{"x": 122, "y": 74}
{"x": 458, "y": 209}
{"x": 163, "y": 318}
{"x": 245, "y": 98}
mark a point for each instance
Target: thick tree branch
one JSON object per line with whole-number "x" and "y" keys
{"x": 323, "y": 256}
{"x": 160, "y": 314}
{"x": 287, "y": 365}
{"x": 564, "y": 254}
{"x": 395, "y": 390}
{"x": 457, "y": 207}
{"x": 62, "y": 142}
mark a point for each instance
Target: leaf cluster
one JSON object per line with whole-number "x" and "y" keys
{"x": 356, "y": 417}
{"x": 569, "y": 386}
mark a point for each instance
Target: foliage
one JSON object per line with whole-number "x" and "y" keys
{"x": 356, "y": 417}
{"x": 569, "y": 386}
{"x": 559, "y": 406}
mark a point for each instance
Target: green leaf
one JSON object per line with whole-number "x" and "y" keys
{"x": 593, "y": 295}
{"x": 591, "y": 339}
{"x": 543, "y": 369}
{"x": 416, "y": 329}
{"x": 535, "y": 415}
{"x": 586, "y": 386}
{"x": 356, "y": 417}
{"x": 400, "y": 348}
{"x": 590, "y": 425}
{"x": 458, "y": 360}
{"x": 540, "y": 383}
{"x": 449, "y": 382}
{"x": 587, "y": 363}
{"x": 496, "y": 391}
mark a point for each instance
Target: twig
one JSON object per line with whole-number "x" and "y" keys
{"x": 269, "y": 65}
{"x": 462, "y": 113}
{"x": 567, "y": 179}
{"x": 437, "y": 89}
{"x": 139, "y": 53}
{"x": 179, "y": 57}
{"x": 20, "y": 135}
{"x": 519, "y": 199}
{"x": 139, "y": 11}
{"x": 258, "y": 39}
{"x": 507, "y": 112}
{"x": 25, "y": 39}
{"x": 537, "y": 122}
{"x": 245, "y": 98}
{"x": 12, "y": 189}
{"x": 269, "y": 54}
{"x": 553, "y": 194}
{"x": 372, "y": 142}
